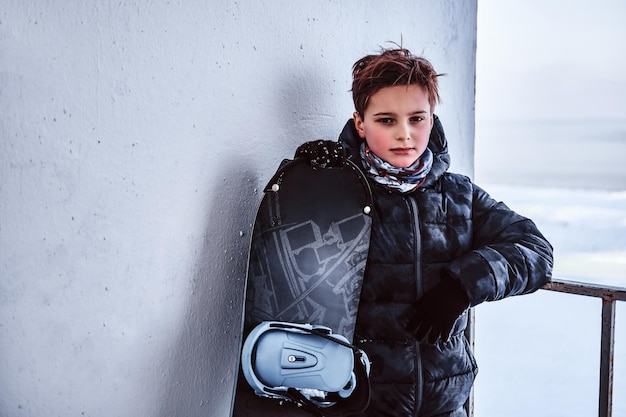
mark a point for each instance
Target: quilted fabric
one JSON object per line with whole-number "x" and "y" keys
{"x": 448, "y": 226}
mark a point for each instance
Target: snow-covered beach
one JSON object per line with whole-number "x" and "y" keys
{"x": 539, "y": 355}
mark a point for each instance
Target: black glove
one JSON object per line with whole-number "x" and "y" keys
{"x": 322, "y": 153}
{"x": 437, "y": 311}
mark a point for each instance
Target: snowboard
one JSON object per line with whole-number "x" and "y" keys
{"x": 307, "y": 258}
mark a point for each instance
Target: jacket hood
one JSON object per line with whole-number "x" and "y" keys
{"x": 437, "y": 143}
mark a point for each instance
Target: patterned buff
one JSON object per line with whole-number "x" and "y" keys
{"x": 403, "y": 180}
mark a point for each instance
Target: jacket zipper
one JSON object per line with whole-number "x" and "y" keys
{"x": 419, "y": 378}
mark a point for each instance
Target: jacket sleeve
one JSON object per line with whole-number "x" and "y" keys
{"x": 510, "y": 255}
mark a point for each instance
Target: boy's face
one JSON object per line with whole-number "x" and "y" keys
{"x": 396, "y": 124}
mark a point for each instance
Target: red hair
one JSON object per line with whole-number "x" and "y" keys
{"x": 390, "y": 68}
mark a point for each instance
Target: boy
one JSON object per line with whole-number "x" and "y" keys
{"x": 439, "y": 243}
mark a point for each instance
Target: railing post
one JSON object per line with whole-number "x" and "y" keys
{"x": 607, "y": 357}
{"x": 609, "y": 296}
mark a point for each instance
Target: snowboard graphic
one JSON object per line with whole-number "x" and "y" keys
{"x": 307, "y": 258}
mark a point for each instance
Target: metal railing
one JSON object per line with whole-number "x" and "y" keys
{"x": 609, "y": 295}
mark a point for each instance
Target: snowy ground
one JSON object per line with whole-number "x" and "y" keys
{"x": 539, "y": 354}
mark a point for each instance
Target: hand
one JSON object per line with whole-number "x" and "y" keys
{"x": 322, "y": 153}
{"x": 437, "y": 311}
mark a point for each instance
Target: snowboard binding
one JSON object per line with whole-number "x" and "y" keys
{"x": 308, "y": 365}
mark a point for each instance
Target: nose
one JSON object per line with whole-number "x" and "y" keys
{"x": 403, "y": 133}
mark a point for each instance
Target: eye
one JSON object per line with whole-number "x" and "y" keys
{"x": 417, "y": 118}
{"x": 385, "y": 120}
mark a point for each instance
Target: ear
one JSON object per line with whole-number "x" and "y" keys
{"x": 358, "y": 123}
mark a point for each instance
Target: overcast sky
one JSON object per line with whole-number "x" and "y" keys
{"x": 546, "y": 59}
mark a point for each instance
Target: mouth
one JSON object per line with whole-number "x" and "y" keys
{"x": 402, "y": 151}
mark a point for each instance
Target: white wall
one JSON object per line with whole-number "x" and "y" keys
{"x": 134, "y": 139}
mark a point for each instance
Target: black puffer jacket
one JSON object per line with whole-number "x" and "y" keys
{"x": 448, "y": 226}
